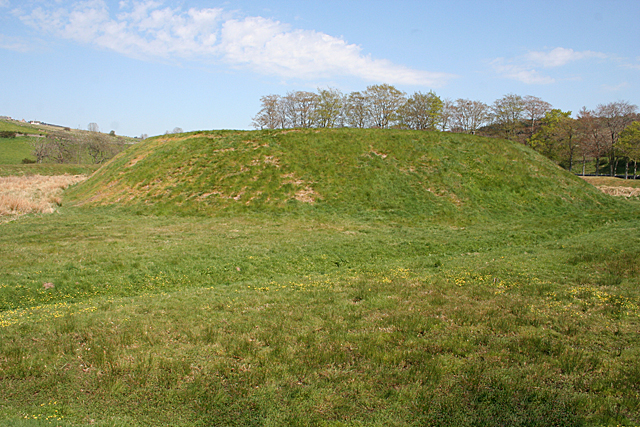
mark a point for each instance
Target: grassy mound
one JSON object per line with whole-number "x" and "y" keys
{"x": 444, "y": 177}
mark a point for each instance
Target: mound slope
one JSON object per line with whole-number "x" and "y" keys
{"x": 353, "y": 171}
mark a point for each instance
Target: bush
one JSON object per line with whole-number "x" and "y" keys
{"x": 27, "y": 161}
{"x": 7, "y": 134}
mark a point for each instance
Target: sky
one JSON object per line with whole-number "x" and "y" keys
{"x": 149, "y": 66}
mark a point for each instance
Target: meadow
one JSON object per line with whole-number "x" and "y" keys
{"x": 478, "y": 309}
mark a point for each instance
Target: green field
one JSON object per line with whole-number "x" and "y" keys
{"x": 270, "y": 278}
{"x": 13, "y": 126}
{"x": 14, "y": 150}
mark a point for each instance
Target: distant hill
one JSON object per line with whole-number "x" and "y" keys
{"x": 20, "y": 127}
{"x": 373, "y": 172}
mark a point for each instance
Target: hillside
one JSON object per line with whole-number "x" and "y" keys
{"x": 441, "y": 176}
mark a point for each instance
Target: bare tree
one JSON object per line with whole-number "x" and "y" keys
{"x": 615, "y": 116}
{"x": 534, "y": 109}
{"x": 470, "y": 115}
{"x": 40, "y": 149}
{"x": 356, "y": 110}
{"x": 447, "y": 114}
{"x": 508, "y": 113}
{"x": 61, "y": 147}
{"x": 93, "y": 127}
{"x": 591, "y": 138}
{"x": 271, "y": 115}
{"x": 299, "y": 108}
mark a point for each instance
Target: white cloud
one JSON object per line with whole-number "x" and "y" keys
{"x": 520, "y": 72}
{"x": 560, "y": 56}
{"x": 616, "y": 88}
{"x": 4, "y": 3}
{"x": 525, "y": 68}
{"x": 15, "y": 43}
{"x": 146, "y": 29}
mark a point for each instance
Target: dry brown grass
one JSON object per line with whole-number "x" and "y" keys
{"x": 615, "y": 186}
{"x": 21, "y": 195}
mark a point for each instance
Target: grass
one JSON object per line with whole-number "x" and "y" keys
{"x": 13, "y": 126}
{"x": 402, "y": 174}
{"x": 46, "y": 169}
{"x": 14, "y": 150}
{"x": 112, "y": 316}
{"x": 205, "y": 321}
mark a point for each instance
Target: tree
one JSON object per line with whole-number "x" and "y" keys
{"x": 60, "y": 147}
{"x": 329, "y": 107}
{"x": 470, "y": 115}
{"x": 557, "y": 136}
{"x": 447, "y": 114}
{"x": 421, "y": 111}
{"x": 93, "y": 127}
{"x": 384, "y": 102}
{"x": 534, "y": 109}
{"x": 299, "y": 108}
{"x": 630, "y": 146}
{"x": 271, "y": 115}
{"x": 591, "y": 138}
{"x": 615, "y": 116}
{"x": 40, "y": 149}
{"x": 356, "y": 110}
{"x": 508, "y": 113}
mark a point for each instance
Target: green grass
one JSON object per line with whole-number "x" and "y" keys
{"x": 46, "y": 169}
{"x": 432, "y": 176}
{"x": 12, "y": 126}
{"x": 248, "y": 321}
{"x": 14, "y": 150}
{"x": 322, "y": 315}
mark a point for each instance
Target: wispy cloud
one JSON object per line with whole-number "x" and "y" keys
{"x": 4, "y": 3}
{"x": 15, "y": 43}
{"x": 616, "y": 88}
{"x": 526, "y": 68}
{"x": 560, "y": 56}
{"x": 148, "y": 30}
{"x": 520, "y": 72}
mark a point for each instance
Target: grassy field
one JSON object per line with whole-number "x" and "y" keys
{"x": 13, "y": 150}
{"x": 115, "y": 315}
{"x": 24, "y": 128}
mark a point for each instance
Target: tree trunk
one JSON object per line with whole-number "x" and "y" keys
{"x": 626, "y": 170}
{"x": 584, "y": 164}
{"x": 570, "y": 160}
{"x": 597, "y": 166}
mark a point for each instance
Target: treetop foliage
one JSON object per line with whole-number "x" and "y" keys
{"x": 593, "y": 136}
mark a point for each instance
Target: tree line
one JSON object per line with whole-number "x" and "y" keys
{"x": 609, "y": 135}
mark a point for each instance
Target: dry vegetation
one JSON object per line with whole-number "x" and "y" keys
{"x": 615, "y": 186}
{"x": 21, "y": 195}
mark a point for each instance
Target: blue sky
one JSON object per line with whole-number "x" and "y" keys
{"x": 148, "y": 66}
